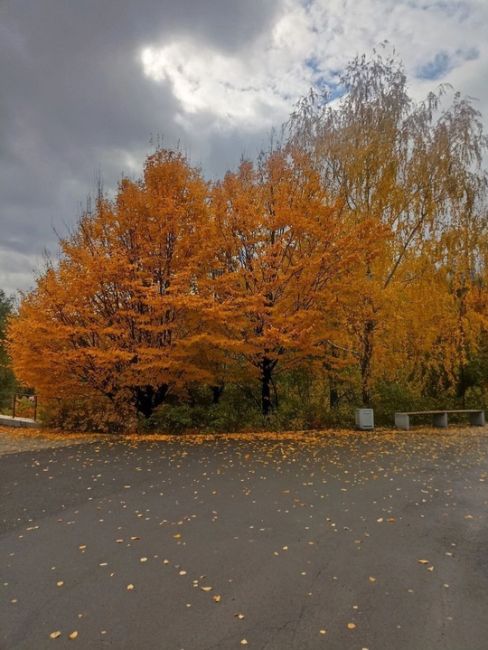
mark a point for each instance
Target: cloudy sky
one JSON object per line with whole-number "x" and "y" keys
{"x": 84, "y": 84}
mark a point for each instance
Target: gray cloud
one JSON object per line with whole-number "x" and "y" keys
{"x": 75, "y": 97}
{"x": 74, "y": 100}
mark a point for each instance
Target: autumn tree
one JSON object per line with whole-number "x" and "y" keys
{"x": 118, "y": 316}
{"x": 413, "y": 167}
{"x": 355, "y": 250}
{"x": 284, "y": 252}
{"x": 462, "y": 249}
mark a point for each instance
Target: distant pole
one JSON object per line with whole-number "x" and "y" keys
{"x": 13, "y": 404}
{"x": 35, "y": 407}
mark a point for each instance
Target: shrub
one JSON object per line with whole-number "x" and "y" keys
{"x": 77, "y": 414}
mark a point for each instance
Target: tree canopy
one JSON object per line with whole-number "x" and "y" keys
{"x": 354, "y": 251}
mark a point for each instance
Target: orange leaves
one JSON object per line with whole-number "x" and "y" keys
{"x": 110, "y": 316}
{"x": 156, "y": 289}
{"x": 284, "y": 251}
{"x": 325, "y": 259}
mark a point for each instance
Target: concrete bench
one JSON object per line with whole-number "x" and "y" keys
{"x": 9, "y": 421}
{"x": 439, "y": 418}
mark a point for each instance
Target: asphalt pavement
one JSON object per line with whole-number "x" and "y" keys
{"x": 334, "y": 542}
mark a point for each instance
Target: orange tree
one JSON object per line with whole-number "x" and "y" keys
{"x": 119, "y": 316}
{"x": 284, "y": 254}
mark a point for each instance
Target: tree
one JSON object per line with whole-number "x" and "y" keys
{"x": 353, "y": 255}
{"x": 413, "y": 167}
{"x": 119, "y": 316}
{"x": 283, "y": 252}
{"x": 7, "y": 379}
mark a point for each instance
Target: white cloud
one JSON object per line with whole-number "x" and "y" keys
{"x": 311, "y": 41}
{"x": 203, "y": 80}
{"x": 250, "y": 89}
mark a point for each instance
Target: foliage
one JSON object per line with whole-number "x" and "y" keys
{"x": 347, "y": 265}
{"x": 416, "y": 169}
{"x": 87, "y": 414}
{"x": 284, "y": 252}
{"x": 121, "y": 313}
{"x": 7, "y": 379}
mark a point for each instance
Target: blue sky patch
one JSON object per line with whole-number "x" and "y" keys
{"x": 443, "y": 63}
{"x": 436, "y": 68}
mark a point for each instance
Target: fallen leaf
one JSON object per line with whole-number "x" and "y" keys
{"x": 351, "y": 626}
{"x": 130, "y": 587}
{"x": 55, "y": 635}
{"x": 73, "y": 635}
{"x": 217, "y": 598}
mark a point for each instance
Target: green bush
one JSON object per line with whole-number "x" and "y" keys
{"x": 303, "y": 404}
{"x": 8, "y": 385}
{"x": 235, "y": 411}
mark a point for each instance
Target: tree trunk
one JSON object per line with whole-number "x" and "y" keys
{"x": 266, "y": 373}
{"x": 147, "y": 398}
{"x": 366, "y": 359}
{"x": 332, "y": 378}
{"x": 462, "y": 386}
{"x": 216, "y": 393}
{"x": 333, "y": 397}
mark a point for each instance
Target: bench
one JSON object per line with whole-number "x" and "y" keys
{"x": 9, "y": 421}
{"x": 439, "y": 418}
